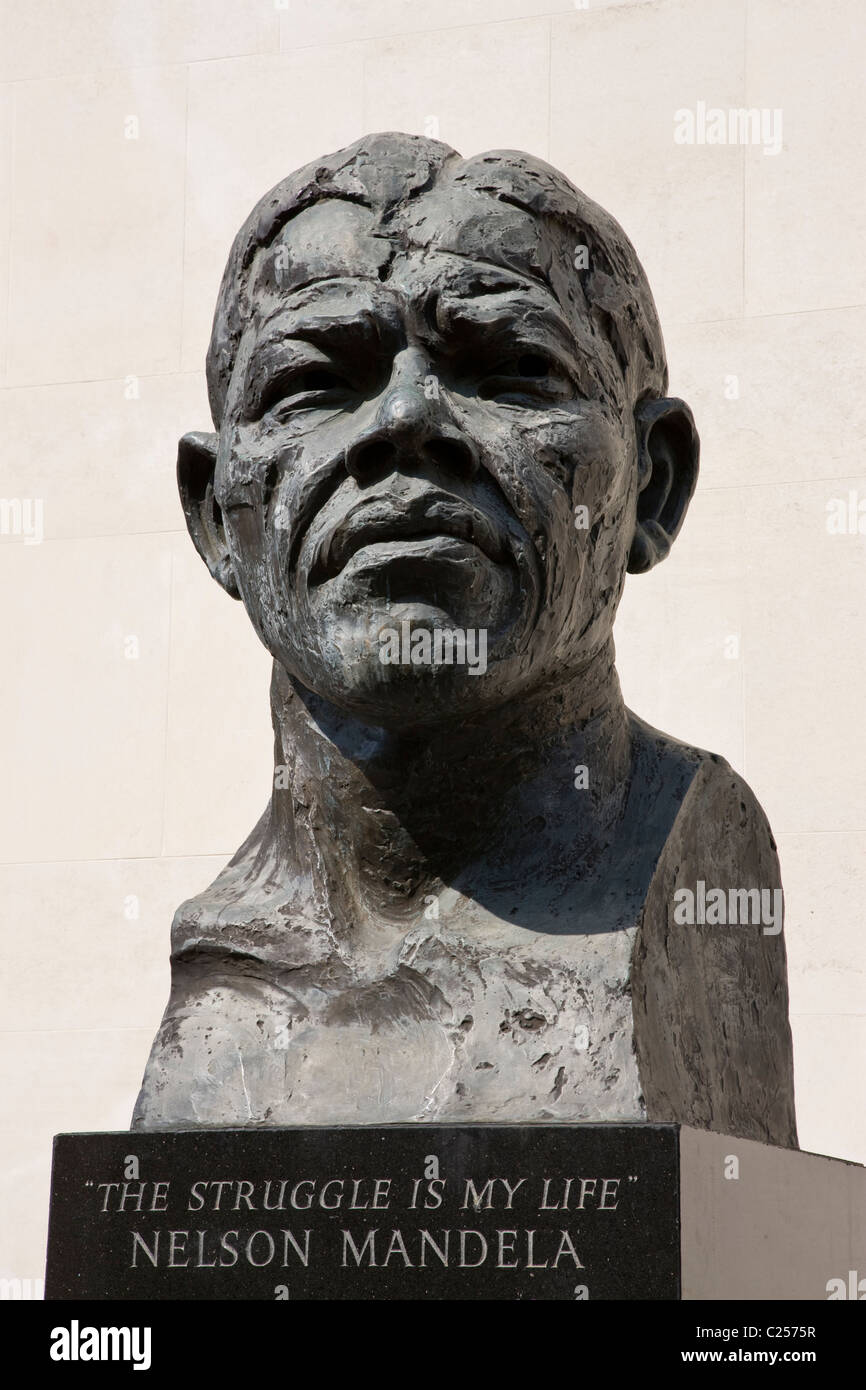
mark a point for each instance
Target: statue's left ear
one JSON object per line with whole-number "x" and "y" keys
{"x": 667, "y": 457}
{"x": 196, "y": 469}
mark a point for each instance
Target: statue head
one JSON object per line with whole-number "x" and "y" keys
{"x": 439, "y": 390}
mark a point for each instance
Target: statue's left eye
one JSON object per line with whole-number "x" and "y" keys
{"x": 532, "y": 364}
{"x": 529, "y": 374}
{"x": 528, "y": 364}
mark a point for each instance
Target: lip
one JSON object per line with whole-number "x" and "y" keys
{"x": 405, "y": 530}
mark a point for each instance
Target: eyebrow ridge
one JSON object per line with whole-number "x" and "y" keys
{"x": 546, "y": 316}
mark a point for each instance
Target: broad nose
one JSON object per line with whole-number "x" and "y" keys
{"x": 412, "y": 426}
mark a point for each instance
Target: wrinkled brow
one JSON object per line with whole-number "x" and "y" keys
{"x": 360, "y": 309}
{"x": 354, "y": 314}
{"x": 502, "y": 311}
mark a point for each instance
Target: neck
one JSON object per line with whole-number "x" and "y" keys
{"x": 375, "y": 819}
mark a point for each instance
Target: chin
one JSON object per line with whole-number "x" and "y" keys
{"x": 399, "y": 697}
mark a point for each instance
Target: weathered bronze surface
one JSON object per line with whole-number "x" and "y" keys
{"x": 440, "y": 397}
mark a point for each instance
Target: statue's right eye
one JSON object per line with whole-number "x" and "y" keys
{"x": 318, "y": 379}
{"x": 301, "y": 388}
{"x": 298, "y": 388}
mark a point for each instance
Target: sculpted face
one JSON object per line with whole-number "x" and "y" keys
{"x": 414, "y": 414}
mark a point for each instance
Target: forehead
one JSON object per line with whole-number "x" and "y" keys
{"x": 457, "y": 242}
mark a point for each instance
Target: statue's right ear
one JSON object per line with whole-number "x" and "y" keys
{"x": 196, "y": 467}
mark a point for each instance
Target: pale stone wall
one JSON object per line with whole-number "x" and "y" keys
{"x": 134, "y": 137}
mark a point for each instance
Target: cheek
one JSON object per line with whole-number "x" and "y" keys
{"x": 261, "y": 455}
{"x": 261, "y": 490}
{"x": 602, "y": 530}
{"x": 570, "y": 476}
{"x": 251, "y": 509}
{"x": 590, "y": 476}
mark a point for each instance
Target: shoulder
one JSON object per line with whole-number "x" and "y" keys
{"x": 709, "y": 981}
{"x": 713, "y": 799}
{"x": 246, "y": 912}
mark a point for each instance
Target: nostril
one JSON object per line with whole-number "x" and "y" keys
{"x": 377, "y": 455}
{"x": 373, "y": 457}
{"x": 454, "y": 455}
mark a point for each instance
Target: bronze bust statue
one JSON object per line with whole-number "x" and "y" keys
{"x": 443, "y": 437}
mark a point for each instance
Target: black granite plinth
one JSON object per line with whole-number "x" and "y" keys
{"x": 400, "y": 1212}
